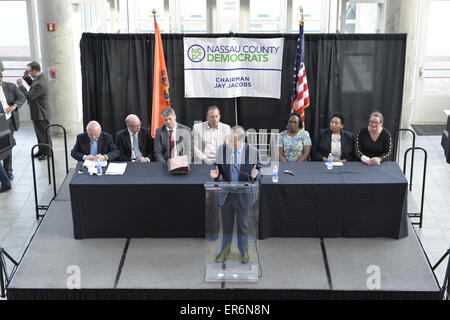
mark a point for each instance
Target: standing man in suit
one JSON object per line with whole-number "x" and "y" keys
{"x": 11, "y": 99}
{"x": 95, "y": 145}
{"x": 37, "y": 98}
{"x": 236, "y": 161}
{"x": 208, "y": 136}
{"x": 172, "y": 139}
{"x": 134, "y": 142}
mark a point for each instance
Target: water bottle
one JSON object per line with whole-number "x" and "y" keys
{"x": 98, "y": 167}
{"x": 330, "y": 162}
{"x": 275, "y": 174}
{"x": 133, "y": 156}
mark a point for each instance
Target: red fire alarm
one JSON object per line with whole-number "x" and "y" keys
{"x": 52, "y": 73}
{"x": 51, "y": 27}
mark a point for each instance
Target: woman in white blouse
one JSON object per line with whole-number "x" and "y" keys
{"x": 334, "y": 140}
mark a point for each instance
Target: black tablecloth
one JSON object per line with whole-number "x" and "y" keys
{"x": 144, "y": 202}
{"x": 354, "y": 200}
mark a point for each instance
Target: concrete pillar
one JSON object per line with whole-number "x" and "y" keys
{"x": 402, "y": 17}
{"x": 57, "y": 51}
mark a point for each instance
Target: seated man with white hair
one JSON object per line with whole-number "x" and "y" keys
{"x": 95, "y": 145}
{"x": 134, "y": 142}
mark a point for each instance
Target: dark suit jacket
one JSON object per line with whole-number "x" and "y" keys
{"x": 322, "y": 147}
{"x": 105, "y": 146}
{"x": 13, "y": 97}
{"x": 250, "y": 157}
{"x": 37, "y": 98}
{"x": 183, "y": 143}
{"x": 145, "y": 141}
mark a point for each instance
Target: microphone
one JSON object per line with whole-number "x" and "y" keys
{"x": 249, "y": 176}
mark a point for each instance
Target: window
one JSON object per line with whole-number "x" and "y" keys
{"x": 361, "y": 17}
{"x": 228, "y": 16}
{"x": 95, "y": 17}
{"x": 144, "y": 15}
{"x": 438, "y": 40}
{"x": 193, "y": 16}
{"x": 14, "y": 31}
{"x": 312, "y": 13}
{"x": 265, "y": 16}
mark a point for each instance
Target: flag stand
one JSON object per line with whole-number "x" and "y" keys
{"x": 235, "y": 111}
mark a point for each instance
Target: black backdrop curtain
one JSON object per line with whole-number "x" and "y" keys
{"x": 352, "y": 73}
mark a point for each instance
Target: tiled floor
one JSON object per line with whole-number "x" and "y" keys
{"x": 17, "y": 210}
{"x": 17, "y": 206}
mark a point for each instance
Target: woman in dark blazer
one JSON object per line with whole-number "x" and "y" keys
{"x": 334, "y": 140}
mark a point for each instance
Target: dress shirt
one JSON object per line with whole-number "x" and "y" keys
{"x": 132, "y": 143}
{"x": 4, "y": 103}
{"x": 174, "y": 136}
{"x": 94, "y": 149}
{"x": 236, "y": 156}
{"x": 336, "y": 147}
{"x": 210, "y": 136}
{"x": 94, "y": 145}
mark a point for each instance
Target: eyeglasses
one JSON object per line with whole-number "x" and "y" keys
{"x": 374, "y": 122}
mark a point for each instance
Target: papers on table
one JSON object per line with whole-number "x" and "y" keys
{"x": 116, "y": 168}
{"x": 93, "y": 163}
{"x": 337, "y": 164}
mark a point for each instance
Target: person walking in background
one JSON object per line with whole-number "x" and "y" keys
{"x": 37, "y": 97}
{"x": 11, "y": 99}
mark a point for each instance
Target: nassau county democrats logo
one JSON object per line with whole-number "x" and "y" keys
{"x": 196, "y": 53}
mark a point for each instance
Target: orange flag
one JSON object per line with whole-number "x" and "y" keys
{"x": 160, "y": 99}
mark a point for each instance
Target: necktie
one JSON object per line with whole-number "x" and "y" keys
{"x": 137, "y": 152}
{"x": 1, "y": 108}
{"x": 235, "y": 167}
{"x": 94, "y": 147}
{"x": 235, "y": 162}
{"x": 171, "y": 143}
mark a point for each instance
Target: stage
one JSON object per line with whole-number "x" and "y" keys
{"x": 173, "y": 268}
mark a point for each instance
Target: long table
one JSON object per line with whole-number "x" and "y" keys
{"x": 146, "y": 201}
{"x": 354, "y": 200}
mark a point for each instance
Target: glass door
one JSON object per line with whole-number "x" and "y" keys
{"x": 432, "y": 79}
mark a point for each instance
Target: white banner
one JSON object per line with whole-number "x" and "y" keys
{"x": 232, "y": 67}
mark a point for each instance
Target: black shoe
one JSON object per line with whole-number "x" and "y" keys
{"x": 10, "y": 176}
{"x": 3, "y": 189}
{"x": 244, "y": 258}
{"x": 37, "y": 155}
{"x": 43, "y": 157}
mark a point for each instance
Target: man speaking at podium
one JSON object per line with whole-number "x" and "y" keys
{"x": 236, "y": 161}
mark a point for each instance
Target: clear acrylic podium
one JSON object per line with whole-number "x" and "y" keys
{"x": 231, "y": 232}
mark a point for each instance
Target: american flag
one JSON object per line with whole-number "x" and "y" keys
{"x": 300, "y": 94}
